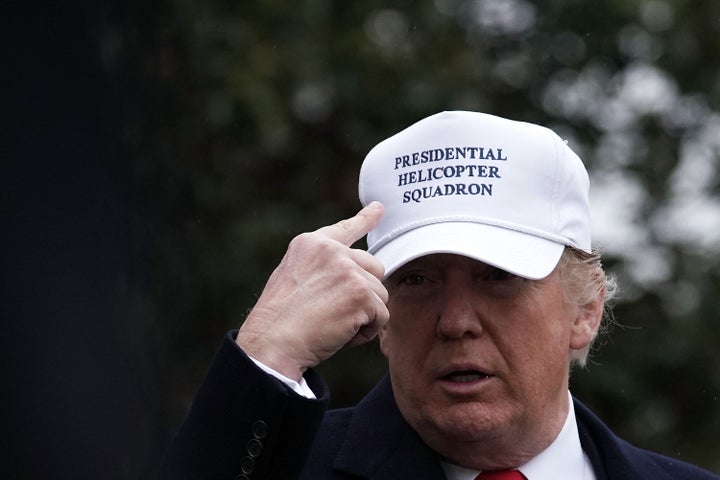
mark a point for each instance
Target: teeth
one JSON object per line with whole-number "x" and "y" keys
{"x": 467, "y": 376}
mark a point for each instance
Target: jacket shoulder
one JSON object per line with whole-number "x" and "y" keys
{"x": 614, "y": 458}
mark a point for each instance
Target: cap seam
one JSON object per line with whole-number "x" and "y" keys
{"x": 557, "y": 174}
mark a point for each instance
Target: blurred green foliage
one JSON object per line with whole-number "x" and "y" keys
{"x": 257, "y": 116}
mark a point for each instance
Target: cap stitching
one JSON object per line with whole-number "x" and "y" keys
{"x": 467, "y": 219}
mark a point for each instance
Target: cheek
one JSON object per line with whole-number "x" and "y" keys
{"x": 538, "y": 341}
{"x": 547, "y": 368}
{"x": 408, "y": 333}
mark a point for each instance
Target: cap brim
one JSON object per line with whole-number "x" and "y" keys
{"x": 519, "y": 253}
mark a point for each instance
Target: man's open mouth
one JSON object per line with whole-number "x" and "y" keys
{"x": 466, "y": 376}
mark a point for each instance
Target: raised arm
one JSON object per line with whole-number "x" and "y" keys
{"x": 246, "y": 424}
{"x": 322, "y": 296}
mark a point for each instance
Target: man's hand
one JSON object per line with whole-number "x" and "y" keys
{"x": 322, "y": 296}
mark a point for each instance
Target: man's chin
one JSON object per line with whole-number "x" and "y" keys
{"x": 464, "y": 422}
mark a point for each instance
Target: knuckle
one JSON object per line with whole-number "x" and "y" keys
{"x": 384, "y": 295}
{"x": 302, "y": 239}
{"x": 356, "y": 286}
{"x": 357, "y": 289}
{"x": 309, "y": 241}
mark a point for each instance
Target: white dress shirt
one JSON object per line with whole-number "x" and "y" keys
{"x": 301, "y": 387}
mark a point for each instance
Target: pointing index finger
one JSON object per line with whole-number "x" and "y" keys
{"x": 352, "y": 229}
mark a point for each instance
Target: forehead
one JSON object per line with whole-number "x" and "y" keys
{"x": 444, "y": 260}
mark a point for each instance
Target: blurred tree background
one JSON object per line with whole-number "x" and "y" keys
{"x": 263, "y": 113}
{"x": 248, "y": 123}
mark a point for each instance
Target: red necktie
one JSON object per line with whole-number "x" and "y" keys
{"x": 501, "y": 475}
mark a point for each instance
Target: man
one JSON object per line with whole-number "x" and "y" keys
{"x": 483, "y": 288}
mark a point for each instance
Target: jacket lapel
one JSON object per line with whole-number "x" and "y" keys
{"x": 380, "y": 444}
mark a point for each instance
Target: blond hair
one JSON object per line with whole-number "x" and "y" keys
{"x": 584, "y": 280}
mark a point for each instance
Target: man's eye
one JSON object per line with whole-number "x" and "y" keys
{"x": 499, "y": 275}
{"x": 413, "y": 279}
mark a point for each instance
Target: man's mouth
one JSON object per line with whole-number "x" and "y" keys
{"x": 466, "y": 376}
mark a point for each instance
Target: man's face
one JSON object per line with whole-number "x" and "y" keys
{"x": 479, "y": 357}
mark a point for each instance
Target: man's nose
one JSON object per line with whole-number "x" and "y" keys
{"x": 458, "y": 313}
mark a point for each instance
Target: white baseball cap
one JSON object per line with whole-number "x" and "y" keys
{"x": 507, "y": 193}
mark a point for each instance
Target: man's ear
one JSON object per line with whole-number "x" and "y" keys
{"x": 587, "y": 322}
{"x": 382, "y": 336}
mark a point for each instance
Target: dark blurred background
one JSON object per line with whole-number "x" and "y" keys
{"x": 157, "y": 157}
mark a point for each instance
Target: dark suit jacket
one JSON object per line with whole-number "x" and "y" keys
{"x": 244, "y": 424}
